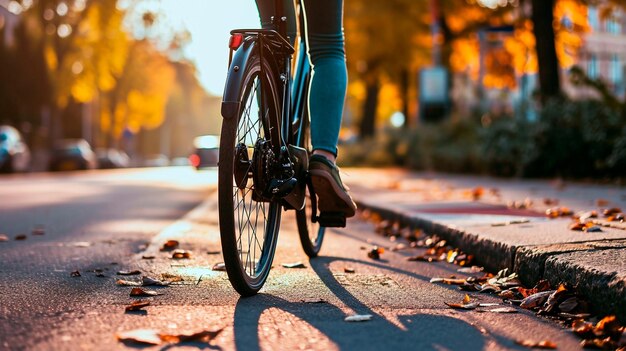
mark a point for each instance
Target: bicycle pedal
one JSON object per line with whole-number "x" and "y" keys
{"x": 332, "y": 219}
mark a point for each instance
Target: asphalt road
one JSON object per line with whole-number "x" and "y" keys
{"x": 102, "y": 222}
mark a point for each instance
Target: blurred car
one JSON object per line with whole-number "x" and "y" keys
{"x": 72, "y": 154}
{"x": 14, "y": 153}
{"x": 156, "y": 160}
{"x": 180, "y": 161}
{"x": 112, "y": 158}
{"x": 207, "y": 149}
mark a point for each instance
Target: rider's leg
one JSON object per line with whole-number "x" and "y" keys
{"x": 325, "y": 41}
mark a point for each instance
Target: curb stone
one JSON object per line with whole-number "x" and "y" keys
{"x": 605, "y": 288}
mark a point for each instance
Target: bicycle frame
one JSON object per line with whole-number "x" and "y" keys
{"x": 294, "y": 90}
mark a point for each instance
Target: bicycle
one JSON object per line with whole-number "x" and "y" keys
{"x": 264, "y": 152}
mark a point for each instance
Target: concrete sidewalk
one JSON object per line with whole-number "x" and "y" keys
{"x": 503, "y": 223}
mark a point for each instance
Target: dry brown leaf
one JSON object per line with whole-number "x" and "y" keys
{"x": 20, "y": 237}
{"x": 170, "y": 245}
{"x": 599, "y": 343}
{"x": 179, "y": 254}
{"x": 137, "y": 305}
{"x": 543, "y": 344}
{"x": 348, "y": 270}
{"x": 375, "y": 253}
{"x": 219, "y": 267}
{"x": 171, "y": 278}
{"x": 203, "y": 336}
{"x": 123, "y": 282}
{"x": 569, "y": 304}
{"x": 142, "y": 292}
{"x": 582, "y": 328}
{"x": 135, "y": 272}
{"x": 142, "y": 336}
{"x": 75, "y": 274}
{"x": 536, "y": 300}
{"x": 477, "y": 193}
{"x": 611, "y": 211}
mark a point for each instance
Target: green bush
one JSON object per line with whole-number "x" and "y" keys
{"x": 571, "y": 139}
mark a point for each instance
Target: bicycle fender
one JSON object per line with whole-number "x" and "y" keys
{"x": 232, "y": 91}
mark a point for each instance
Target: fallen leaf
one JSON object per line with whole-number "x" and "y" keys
{"x": 472, "y": 269}
{"x": 582, "y": 328}
{"x": 460, "y": 306}
{"x": 219, "y": 267}
{"x": 611, "y": 211}
{"x": 550, "y": 202}
{"x": 348, "y": 270}
{"x": 135, "y": 272}
{"x": 170, "y": 245}
{"x": 504, "y": 310}
{"x": 142, "y": 336}
{"x": 148, "y": 257}
{"x": 137, "y": 305}
{"x": 598, "y": 343}
{"x": 75, "y": 274}
{"x": 20, "y": 237}
{"x": 536, "y": 300}
{"x": 358, "y": 318}
{"x": 466, "y": 304}
{"x": 3, "y": 237}
{"x": 294, "y": 265}
{"x": 123, "y": 282}
{"x": 543, "y": 344}
{"x": 142, "y": 292}
{"x": 147, "y": 281}
{"x": 216, "y": 252}
{"x": 171, "y": 277}
{"x": 450, "y": 281}
{"x": 568, "y": 305}
{"x": 489, "y": 304}
{"x": 181, "y": 254}
{"x": 477, "y": 193}
{"x": 204, "y": 336}
{"x": 375, "y": 253}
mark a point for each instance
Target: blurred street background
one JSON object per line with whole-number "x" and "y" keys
{"x": 502, "y": 87}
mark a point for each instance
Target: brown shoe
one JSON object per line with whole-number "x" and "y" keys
{"x": 333, "y": 195}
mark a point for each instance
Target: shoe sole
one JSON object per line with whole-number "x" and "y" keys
{"x": 334, "y": 199}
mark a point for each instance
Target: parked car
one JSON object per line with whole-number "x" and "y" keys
{"x": 112, "y": 158}
{"x": 207, "y": 149}
{"x": 14, "y": 153}
{"x": 72, "y": 154}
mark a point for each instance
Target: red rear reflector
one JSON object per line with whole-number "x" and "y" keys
{"x": 235, "y": 41}
{"x": 194, "y": 160}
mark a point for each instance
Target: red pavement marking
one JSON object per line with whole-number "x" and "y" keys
{"x": 484, "y": 210}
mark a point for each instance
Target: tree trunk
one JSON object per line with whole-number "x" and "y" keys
{"x": 543, "y": 17}
{"x": 404, "y": 92}
{"x": 368, "y": 121}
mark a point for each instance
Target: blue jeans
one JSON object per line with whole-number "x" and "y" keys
{"x": 323, "y": 30}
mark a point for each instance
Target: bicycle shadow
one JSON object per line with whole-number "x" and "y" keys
{"x": 419, "y": 331}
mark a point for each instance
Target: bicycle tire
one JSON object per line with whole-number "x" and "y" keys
{"x": 311, "y": 234}
{"x": 248, "y": 256}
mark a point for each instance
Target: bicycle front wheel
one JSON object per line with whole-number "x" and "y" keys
{"x": 248, "y": 224}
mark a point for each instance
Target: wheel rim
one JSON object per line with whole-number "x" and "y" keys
{"x": 255, "y": 221}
